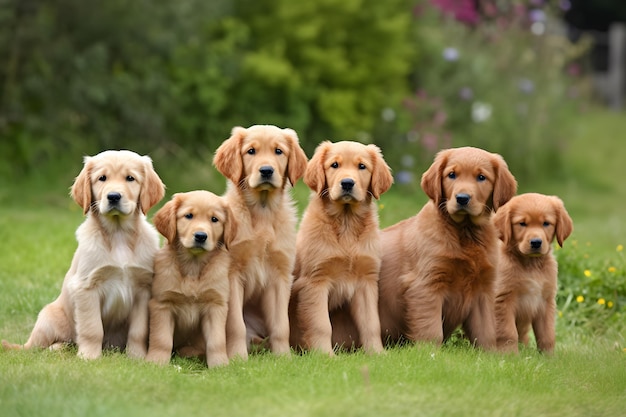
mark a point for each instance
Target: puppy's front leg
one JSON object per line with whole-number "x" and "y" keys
{"x": 214, "y": 332}
{"x": 236, "y": 343}
{"x": 136, "y": 347}
{"x": 506, "y": 331}
{"x": 276, "y": 307}
{"x": 88, "y": 319}
{"x": 543, "y": 326}
{"x": 480, "y": 326}
{"x": 423, "y": 313}
{"x": 364, "y": 309}
{"x": 313, "y": 317}
{"x": 161, "y": 340}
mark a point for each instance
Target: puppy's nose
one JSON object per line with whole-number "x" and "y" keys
{"x": 463, "y": 199}
{"x": 535, "y": 243}
{"x": 347, "y": 184}
{"x": 200, "y": 237}
{"x": 266, "y": 171}
{"x": 114, "y": 197}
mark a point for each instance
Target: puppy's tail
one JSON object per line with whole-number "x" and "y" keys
{"x": 11, "y": 346}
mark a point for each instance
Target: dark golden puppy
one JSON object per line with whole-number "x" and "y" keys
{"x": 104, "y": 299}
{"x": 438, "y": 267}
{"x": 261, "y": 163}
{"x": 527, "y": 270}
{"x": 190, "y": 291}
{"x": 338, "y": 245}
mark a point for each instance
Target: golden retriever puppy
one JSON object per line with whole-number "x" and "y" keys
{"x": 105, "y": 294}
{"x": 261, "y": 164}
{"x": 527, "y": 270}
{"x": 338, "y": 245}
{"x": 190, "y": 290}
{"x": 438, "y": 267}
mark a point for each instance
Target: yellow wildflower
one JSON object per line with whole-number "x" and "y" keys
{"x": 381, "y": 206}
{"x": 586, "y": 256}
{"x": 620, "y": 248}
{"x": 612, "y": 269}
{"x": 601, "y": 301}
{"x": 580, "y": 299}
{"x": 587, "y": 273}
{"x": 588, "y": 243}
{"x": 609, "y": 304}
{"x": 560, "y": 313}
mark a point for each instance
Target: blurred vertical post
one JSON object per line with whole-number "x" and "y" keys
{"x": 617, "y": 64}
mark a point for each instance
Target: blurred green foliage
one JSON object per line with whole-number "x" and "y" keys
{"x": 171, "y": 79}
{"x": 78, "y": 77}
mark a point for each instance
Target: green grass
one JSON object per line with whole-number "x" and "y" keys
{"x": 586, "y": 376}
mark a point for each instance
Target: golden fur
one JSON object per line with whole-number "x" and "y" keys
{"x": 190, "y": 290}
{"x": 105, "y": 294}
{"x": 527, "y": 271}
{"x": 261, "y": 163}
{"x": 338, "y": 245}
{"x": 438, "y": 267}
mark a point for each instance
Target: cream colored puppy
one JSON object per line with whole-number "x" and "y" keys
{"x": 105, "y": 294}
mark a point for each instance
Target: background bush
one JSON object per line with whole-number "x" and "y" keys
{"x": 172, "y": 79}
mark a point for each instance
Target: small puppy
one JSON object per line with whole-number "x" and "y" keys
{"x": 527, "y": 272}
{"x": 338, "y": 245}
{"x": 105, "y": 294}
{"x": 190, "y": 290}
{"x": 438, "y": 267}
{"x": 261, "y": 164}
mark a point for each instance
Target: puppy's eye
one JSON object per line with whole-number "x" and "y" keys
{"x": 214, "y": 219}
{"x": 481, "y": 178}
{"x": 546, "y": 224}
{"x": 130, "y": 178}
{"x": 102, "y": 178}
{"x": 251, "y": 151}
{"x": 362, "y": 166}
{"x": 334, "y": 165}
{"x": 278, "y": 151}
{"x": 189, "y": 216}
{"x": 452, "y": 175}
{"x": 523, "y": 224}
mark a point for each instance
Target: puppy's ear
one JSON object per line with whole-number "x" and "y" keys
{"x": 381, "y": 173}
{"x": 153, "y": 188}
{"x": 165, "y": 219}
{"x": 81, "y": 189}
{"x": 314, "y": 176}
{"x": 296, "y": 165}
{"x": 505, "y": 186}
{"x": 564, "y": 224}
{"x": 431, "y": 179}
{"x": 502, "y": 221}
{"x": 230, "y": 228}
{"x": 227, "y": 157}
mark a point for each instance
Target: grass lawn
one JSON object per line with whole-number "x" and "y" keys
{"x": 586, "y": 376}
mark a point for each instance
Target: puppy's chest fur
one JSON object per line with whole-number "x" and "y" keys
{"x": 350, "y": 249}
{"x": 117, "y": 265}
{"x": 185, "y": 281}
{"x": 532, "y": 281}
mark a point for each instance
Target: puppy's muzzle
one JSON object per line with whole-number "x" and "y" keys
{"x": 199, "y": 237}
{"x": 463, "y": 199}
{"x": 535, "y": 243}
{"x": 347, "y": 184}
{"x": 266, "y": 172}
{"x": 114, "y": 198}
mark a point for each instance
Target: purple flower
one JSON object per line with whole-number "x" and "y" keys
{"x": 450, "y": 54}
{"x": 466, "y": 93}
{"x": 537, "y": 15}
{"x": 526, "y": 86}
{"x": 565, "y": 5}
{"x": 404, "y": 177}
